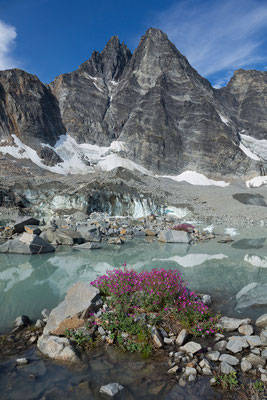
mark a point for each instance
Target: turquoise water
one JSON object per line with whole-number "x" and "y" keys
{"x": 235, "y": 274}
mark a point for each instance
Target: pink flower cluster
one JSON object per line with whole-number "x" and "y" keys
{"x": 183, "y": 227}
{"x": 158, "y": 289}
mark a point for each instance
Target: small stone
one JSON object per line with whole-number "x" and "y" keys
{"x": 181, "y": 337}
{"x": 39, "y": 324}
{"x": 220, "y": 346}
{"x": 213, "y": 355}
{"x": 156, "y": 338}
{"x": 111, "y": 389}
{"x": 191, "y": 347}
{"x": 101, "y": 331}
{"x": 33, "y": 339}
{"x": 245, "y": 365}
{"x": 256, "y": 351}
{"x": 192, "y": 378}
{"x": 21, "y": 361}
{"x": 226, "y": 368}
{"x": 213, "y": 382}
{"x": 229, "y": 359}
{"x": 263, "y": 336}
{"x": 253, "y": 341}
{"x": 182, "y": 382}
{"x": 190, "y": 371}
{"x": 264, "y": 354}
{"x": 246, "y": 330}
{"x": 206, "y": 371}
{"x": 173, "y": 370}
{"x": 125, "y": 335}
{"x": 171, "y": 354}
{"x": 255, "y": 360}
{"x": 168, "y": 340}
{"x": 204, "y": 364}
{"x": 261, "y": 322}
{"x": 264, "y": 377}
{"x": 206, "y": 299}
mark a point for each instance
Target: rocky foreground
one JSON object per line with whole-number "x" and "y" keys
{"x": 234, "y": 356}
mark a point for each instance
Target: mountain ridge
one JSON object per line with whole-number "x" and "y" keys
{"x": 169, "y": 117}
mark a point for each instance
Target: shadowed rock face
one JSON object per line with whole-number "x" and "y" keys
{"x": 249, "y": 88}
{"x": 168, "y": 116}
{"x": 154, "y": 101}
{"x": 28, "y": 109}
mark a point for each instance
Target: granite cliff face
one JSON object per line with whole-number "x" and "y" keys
{"x": 167, "y": 116}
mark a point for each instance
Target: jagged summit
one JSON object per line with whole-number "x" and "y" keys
{"x": 160, "y": 112}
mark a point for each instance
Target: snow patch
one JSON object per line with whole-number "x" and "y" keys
{"x": 114, "y": 161}
{"x": 256, "y": 261}
{"x": 231, "y": 232}
{"x": 209, "y": 229}
{"x": 224, "y": 119}
{"x": 248, "y": 152}
{"x": 257, "y": 182}
{"x": 194, "y": 178}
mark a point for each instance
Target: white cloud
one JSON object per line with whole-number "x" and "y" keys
{"x": 217, "y": 35}
{"x": 7, "y": 41}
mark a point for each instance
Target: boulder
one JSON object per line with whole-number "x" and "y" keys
{"x": 63, "y": 236}
{"x": 261, "y": 322}
{"x": 80, "y": 299}
{"x": 57, "y": 348}
{"x": 213, "y": 355}
{"x": 245, "y": 365}
{"x": 90, "y": 233}
{"x": 32, "y": 229}
{"x": 173, "y": 236}
{"x": 263, "y": 336}
{"x": 27, "y": 244}
{"x": 22, "y": 221}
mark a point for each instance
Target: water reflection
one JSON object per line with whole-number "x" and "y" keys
{"x": 30, "y": 283}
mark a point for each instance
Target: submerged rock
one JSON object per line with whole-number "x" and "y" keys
{"x": 111, "y": 389}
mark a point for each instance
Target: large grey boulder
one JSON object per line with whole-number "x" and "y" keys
{"x": 90, "y": 233}
{"x": 27, "y": 244}
{"x": 191, "y": 347}
{"x": 173, "y": 236}
{"x": 57, "y": 348}
{"x": 80, "y": 299}
{"x": 63, "y": 236}
{"x": 22, "y": 221}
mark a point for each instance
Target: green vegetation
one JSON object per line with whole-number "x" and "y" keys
{"x": 227, "y": 381}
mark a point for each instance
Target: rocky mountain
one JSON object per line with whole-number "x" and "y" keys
{"x": 149, "y": 109}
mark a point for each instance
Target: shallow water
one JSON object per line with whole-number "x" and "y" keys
{"x": 235, "y": 274}
{"x": 142, "y": 380}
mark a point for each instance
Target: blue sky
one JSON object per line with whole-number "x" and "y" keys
{"x": 50, "y": 37}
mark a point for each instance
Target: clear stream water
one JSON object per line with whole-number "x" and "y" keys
{"x": 235, "y": 274}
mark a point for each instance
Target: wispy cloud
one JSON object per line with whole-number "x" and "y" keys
{"x": 218, "y": 35}
{"x": 7, "y": 41}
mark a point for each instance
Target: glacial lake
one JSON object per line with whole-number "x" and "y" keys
{"x": 235, "y": 274}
